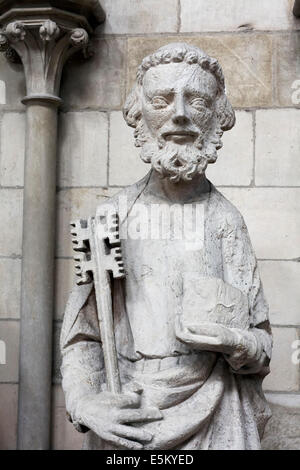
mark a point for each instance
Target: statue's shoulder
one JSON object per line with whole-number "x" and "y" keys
{"x": 127, "y": 195}
{"x": 222, "y": 210}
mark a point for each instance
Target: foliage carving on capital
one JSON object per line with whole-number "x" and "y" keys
{"x": 43, "y": 47}
{"x": 49, "y": 31}
{"x": 8, "y": 51}
{"x": 79, "y": 38}
{"x": 15, "y": 31}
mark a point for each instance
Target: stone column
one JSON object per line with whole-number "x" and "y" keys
{"x": 43, "y": 38}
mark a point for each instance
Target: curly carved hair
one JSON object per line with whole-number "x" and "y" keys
{"x": 180, "y": 52}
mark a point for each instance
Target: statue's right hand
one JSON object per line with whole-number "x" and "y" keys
{"x": 110, "y": 416}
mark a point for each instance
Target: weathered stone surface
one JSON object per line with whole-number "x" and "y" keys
{"x": 246, "y": 61}
{"x": 283, "y": 430}
{"x": 99, "y": 80}
{"x": 15, "y": 89}
{"x": 83, "y": 149}
{"x": 125, "y": 165}
{"x": 272, "y": 216}
{"x": 134, "y": 16}
{"x": 235, "y": 161}
{"x": 287, "y": 68}
{"x": 179, "y": 112}
{"x": 11, "y": 219}
{"x": 284, "y": 374}
{"x": 10, "y": 272}
{"x": 277, "y": 147}
{"x": 12, "y": 149}
{"x": 64, "y": 279}
{"x": 64, "y": 435}
{"x": 8, "y": 416}
{"x": 9, "y": 333}
{"x": 236, "y": 15}
{"x": 281, "y": 281}
{"x": 73, "y": 204}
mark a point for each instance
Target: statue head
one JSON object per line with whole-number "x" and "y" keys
{"x": 179, "y": 110}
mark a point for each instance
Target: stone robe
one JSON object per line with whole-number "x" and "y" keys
{"x": 204, "y": 402}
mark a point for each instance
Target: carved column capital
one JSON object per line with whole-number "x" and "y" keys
{"x": 43, "y": 38}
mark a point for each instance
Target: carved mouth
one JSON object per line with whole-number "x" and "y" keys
{"x": 192, "y": 134}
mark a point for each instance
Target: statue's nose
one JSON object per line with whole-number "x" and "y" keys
{"x": 180, "y": 116}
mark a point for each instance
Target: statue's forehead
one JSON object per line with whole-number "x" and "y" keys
{"x": 175, "y": 76}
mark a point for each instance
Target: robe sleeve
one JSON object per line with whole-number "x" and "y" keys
{"x": 241, "y": 271}
{"x": 82, "y": 359}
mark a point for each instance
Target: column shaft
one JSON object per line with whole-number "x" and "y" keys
{"x": 37, "y": 277}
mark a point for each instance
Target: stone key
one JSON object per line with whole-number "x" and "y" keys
{"x": 97, "y": 245}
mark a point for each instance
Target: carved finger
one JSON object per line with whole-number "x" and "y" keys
{"x": 200, "y": 342}
{"x": 121, "y": 442}
{"x": 134, "y": 387}
{"x": 120, "y": 400}
{"x": 135, "y": 434}
{"x": 206, "y": 329}
{"x": 130, "y": 400}
{"x": 185, "y": 337}
{"x": 140, "y": 416}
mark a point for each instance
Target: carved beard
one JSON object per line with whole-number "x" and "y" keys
{"x": 178, "y": 161}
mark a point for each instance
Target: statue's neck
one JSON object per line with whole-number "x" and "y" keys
{"x": 181, "y": 192}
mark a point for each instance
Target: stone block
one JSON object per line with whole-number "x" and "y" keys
{"x": 11, "y": 211}
{"x": 12, "y": 149}
{"x": 235, "y": 161}
{"x": 64, "y": 435}
{"x": 238, "y": 15}
{"x": 83, "y": 149}
{"x": 12, "y": 75}
{"x": 246, "y": 61}
{"x": 285, "y": 373}
{"x": 99, "y": 81}
{"x": 10, "y": 273}
{"x": 273, "y": 219}
{"x": 8, "y": 416}
{"x": 283, "y": 430}
{"x": 64, "y": 279}
{"x": 125, "y": 165}
{"x": 134, "y": 16}
{"x": 281, "y": 280}
{"x": 73, "y": 204}
{"x": 277, "y": 147}
{"x": 9, "y": 334}
{"x": 287, "y": 68}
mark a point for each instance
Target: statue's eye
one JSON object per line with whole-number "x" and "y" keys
{"x": 159, "y": 102}
{"x": 198, "y": 103}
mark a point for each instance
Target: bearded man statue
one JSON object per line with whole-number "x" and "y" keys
{"x": 190, "y": 319}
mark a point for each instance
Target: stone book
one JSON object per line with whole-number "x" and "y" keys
{"x": 211, "y": 300}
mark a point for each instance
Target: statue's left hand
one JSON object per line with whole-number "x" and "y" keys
{"x": 239, "y": 347}
{"x": 208, "y": 337}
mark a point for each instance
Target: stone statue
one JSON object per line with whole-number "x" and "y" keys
{"x": 191, "y": 324}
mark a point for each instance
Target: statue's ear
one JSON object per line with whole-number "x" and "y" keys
{"x": 132, "y": 110}
{"x": 225, "y": 113}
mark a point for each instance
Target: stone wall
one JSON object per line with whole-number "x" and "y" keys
{"x": 258, "y": 45}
